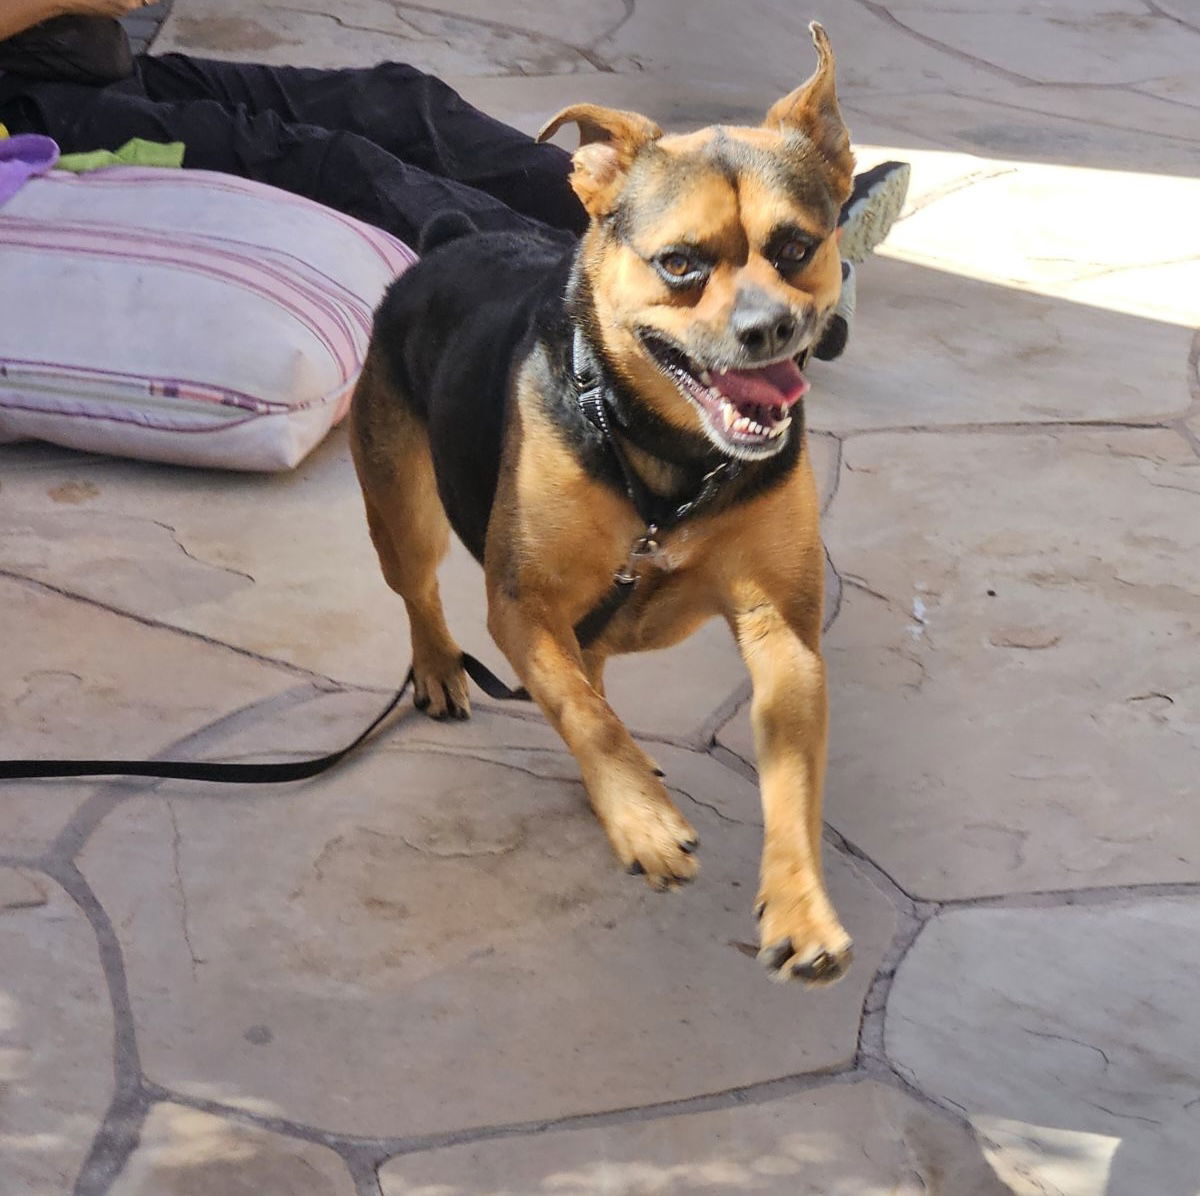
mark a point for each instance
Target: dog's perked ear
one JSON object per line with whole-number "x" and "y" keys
{"x": 813, "y": 110}
{"x": 609, "y": 140}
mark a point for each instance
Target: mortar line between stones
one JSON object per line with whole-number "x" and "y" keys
{"x": 119, "y": 1132}
{"x": 731, "y": 760}
{"x": 364, "y": 1170}
{"x": 330, "y": 684}
{"x": 879, "y": 877}
{"x": 536, "y": 37}
{"x": 107, "y": 795}
{"x": 1159, "y": 11}
{"x": 630, "y": 10}
{"x": 707, "y": 734}
{"x": 888, "y": 17}
{"x": 871, "y": 1053}
{"x": 1019, "y": 427}
{"x": 836, "y": 484}
{"x": 870, "y": 1050}
{"x": 1058, "y": 898}
{"x": 386, "y": 1147}
{"x": 1089, "y": 122}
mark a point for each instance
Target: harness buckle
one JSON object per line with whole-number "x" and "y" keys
{"x": 644, "y": 546}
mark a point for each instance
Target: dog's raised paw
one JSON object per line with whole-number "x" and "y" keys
{"x": 815, "y": 966}
{"x": 815, "y": 953}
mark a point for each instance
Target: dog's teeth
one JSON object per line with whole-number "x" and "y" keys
{"x": 729, "y": 415}
{"x": 706, "y": 378}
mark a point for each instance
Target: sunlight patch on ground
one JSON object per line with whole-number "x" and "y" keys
{"x": 1057, "y": 1160}
{"x": 1119, "y": 240}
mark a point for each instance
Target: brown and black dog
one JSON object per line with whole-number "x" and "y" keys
{"x": 708, "y": 271}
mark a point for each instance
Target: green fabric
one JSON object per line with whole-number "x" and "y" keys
{"x": 133, "y": 153}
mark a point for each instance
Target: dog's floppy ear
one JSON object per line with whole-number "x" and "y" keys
{"x": 609, "y": 140}
{"x": 813, "y": 110}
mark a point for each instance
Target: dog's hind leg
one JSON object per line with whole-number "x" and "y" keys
{"x": 410, "y": 532}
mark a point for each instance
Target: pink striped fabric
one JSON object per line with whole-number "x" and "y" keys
{"x": 183, "y": 316}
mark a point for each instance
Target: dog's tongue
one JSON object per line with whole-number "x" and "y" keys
{"x": 778, "y": 385}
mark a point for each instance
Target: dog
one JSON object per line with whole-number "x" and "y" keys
{"x": 615, "y": 431}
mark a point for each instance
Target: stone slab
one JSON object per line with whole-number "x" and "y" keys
{"x": 431, "y": 940}
{"x": 1049, "y": 228}
{"x": 282, "y": 566}
{"x": 1071, "y": 42}
{"x": 1014, "y": 705}
{"x": 56, "y": 1037}
{"x": 83, "y": 682}
{"x": 1070, "y": 1038}
{"x": 837, "y": 1140}
{"x": 935, "y": 348}
{"x": 186, "y": 1152}
{"x": 465, "y": 38}
{"x": 709, "y": 39}
{"x": 1108, "y": 115}
{"x": 995, "y": 118}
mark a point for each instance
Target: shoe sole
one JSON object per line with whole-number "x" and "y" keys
{"x": 872, "y": 209}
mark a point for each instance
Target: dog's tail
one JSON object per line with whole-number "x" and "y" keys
{"x": 444, "y": 227}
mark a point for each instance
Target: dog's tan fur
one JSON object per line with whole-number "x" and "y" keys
{"x": 556, "y": 533}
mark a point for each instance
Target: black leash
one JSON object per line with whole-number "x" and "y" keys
{"x": 244, "y": 774}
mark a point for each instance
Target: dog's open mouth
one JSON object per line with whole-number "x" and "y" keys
{"x": 745, "y": 412}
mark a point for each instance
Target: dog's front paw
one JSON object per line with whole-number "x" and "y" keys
{"x": 651, "y": 838}
{"x": 799, "y": 934}
{"x": 440, "y": 688}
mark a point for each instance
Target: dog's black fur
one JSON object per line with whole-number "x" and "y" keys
{"x": 448, "y": 332}
{"x": 452, "y": 330}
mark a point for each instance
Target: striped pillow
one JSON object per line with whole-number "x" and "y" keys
{"x": 183, "y": 316}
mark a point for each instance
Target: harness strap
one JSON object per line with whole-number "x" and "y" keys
{"x": 244, "y": 774}
{"x": 591, "y": 627}
{"x": 594, "y": 398}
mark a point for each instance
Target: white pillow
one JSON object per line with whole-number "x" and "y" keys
{"x": 183, "y": 316}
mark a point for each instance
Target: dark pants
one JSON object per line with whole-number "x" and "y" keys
{"x": 389, "y": 144}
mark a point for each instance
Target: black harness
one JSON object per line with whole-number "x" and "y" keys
{"x": 595, "y": 398}
{"x": 659, "y": 515}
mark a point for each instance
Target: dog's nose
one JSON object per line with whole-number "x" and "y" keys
{"x": 764, "y": 328}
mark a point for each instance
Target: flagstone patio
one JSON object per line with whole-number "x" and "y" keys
{"x": 422, "y": 974}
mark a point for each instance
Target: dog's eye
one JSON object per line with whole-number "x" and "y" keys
{"x": 794, "y": 253}
{"x": 677, "y": 265}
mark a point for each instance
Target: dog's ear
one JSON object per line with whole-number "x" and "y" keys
{"x": 813, "y": 109}
{"x": 609, "y": 140}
